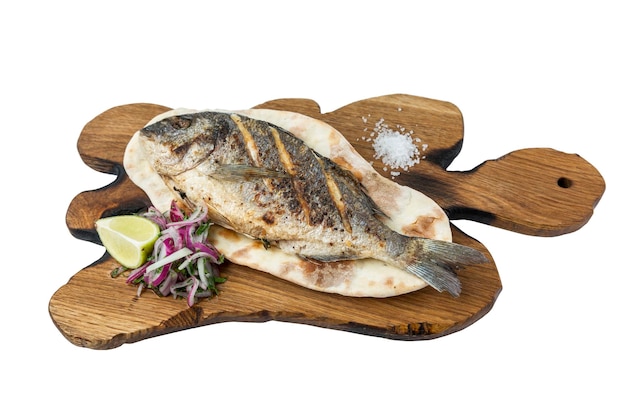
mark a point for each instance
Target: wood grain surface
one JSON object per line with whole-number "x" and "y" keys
{"x": 540, "y": 192}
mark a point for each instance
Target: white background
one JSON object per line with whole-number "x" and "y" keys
{"x": 532, "y": 74}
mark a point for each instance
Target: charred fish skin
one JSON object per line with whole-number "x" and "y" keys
{"x": 264, "y": 182}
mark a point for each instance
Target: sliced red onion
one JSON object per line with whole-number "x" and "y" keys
{"x": 137, "y": 273}
{"x": 192, "y": 292}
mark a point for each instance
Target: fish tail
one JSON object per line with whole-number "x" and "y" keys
{"x": 435, "y": 262}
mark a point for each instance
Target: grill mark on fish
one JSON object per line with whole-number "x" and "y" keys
{"x": 287, "y": 163}
{"x": 312, "y": 181}
{"x": 248, "y": 140}
{"x": 252, "y": 148}
{"x": 337, "y": 198}
{"x": 283, "y": 155}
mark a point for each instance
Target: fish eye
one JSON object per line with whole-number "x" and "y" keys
{"x": 181, "y": 122}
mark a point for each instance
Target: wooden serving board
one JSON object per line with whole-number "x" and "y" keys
{"x": 540, "y": 192}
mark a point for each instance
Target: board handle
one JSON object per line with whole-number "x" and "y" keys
{"x": 538, "y": 191}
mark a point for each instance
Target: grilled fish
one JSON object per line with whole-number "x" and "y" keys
{"x": 262, "y": 181}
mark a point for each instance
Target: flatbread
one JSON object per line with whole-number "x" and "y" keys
{"x": 408, "y": 212}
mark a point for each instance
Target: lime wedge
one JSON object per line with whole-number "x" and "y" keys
{"x": 128, "y": 238}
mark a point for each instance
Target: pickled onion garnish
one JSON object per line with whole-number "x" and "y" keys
{"x": 183, "y": 262}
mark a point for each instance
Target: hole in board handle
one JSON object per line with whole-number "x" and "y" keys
{"x": 564, "y": 182}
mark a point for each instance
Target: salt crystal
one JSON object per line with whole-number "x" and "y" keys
{"x": 394, "y": 148}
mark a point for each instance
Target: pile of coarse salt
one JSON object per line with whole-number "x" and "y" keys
{"x": 395, "y": 148}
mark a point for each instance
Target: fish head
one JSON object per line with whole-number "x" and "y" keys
{"x": 179, "y": 143}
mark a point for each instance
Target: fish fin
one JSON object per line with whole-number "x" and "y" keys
{"x": 247, "y": 172}
{"x": 437, "y": 261}
{"x": 328, "y": 258}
